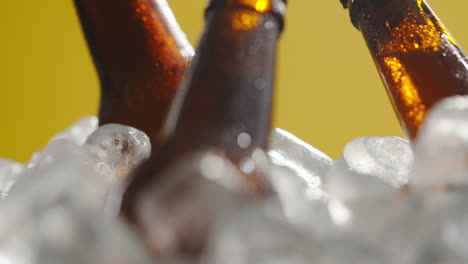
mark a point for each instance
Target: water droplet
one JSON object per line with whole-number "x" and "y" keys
{"x": 244, "y": 140}
{"x": 268, "y": 25}
{"x": 259, "y": 84}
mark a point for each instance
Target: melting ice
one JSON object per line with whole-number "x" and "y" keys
{"x": 383, "y": 201}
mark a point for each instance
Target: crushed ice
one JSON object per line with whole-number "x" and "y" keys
{"x": 383, "y": 201}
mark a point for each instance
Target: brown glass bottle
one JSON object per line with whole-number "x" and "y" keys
{"x": 225, "y": 100}
{"x": 140, "y": 54}
{"x": 418, "y": 60}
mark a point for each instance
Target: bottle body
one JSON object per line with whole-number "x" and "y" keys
{"x": 226, "y": 98}
{"x": 140, "y": 55}
{"x": 418, "y": 60}
{"x": 224, "y": 102}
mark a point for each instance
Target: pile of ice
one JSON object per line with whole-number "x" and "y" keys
{"x": 384, "y": 201}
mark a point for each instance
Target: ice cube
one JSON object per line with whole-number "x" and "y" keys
{"x": 441, "y": 147}
{"x": 176, "y": 214}
{"x": 62, "y": 233}
{"x": 55, "y": 214}
{"x": 307, "y": 162}
{"x": 9, "y": 172}
{"x": 348, "y": 185}
{"x": 391, "y": 230}
{"x": 64, "y": 168}
{"x": 306, "y": 207}
{"x": 389, "y": 158}
{"x": 79, "y": 131}
{"x": 120, "y": 147}
{"x": 32, "y": 162}
{"x": 253, "y": 236}
{"x": 66, "y": 235}
{"x": 449, "y": 243}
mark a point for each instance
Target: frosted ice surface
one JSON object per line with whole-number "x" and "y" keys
{"x": 54, "y": 214}
{"x": 79, "y": 131}
{"x": 120, "y": 147}
{"x": 307, "y": 162}
{"x": 441, "y": 148}
{"x": 389, "y": 158}
{"x": 57, "y": 151}
{"x": 446, "y": 228}
{"x": 253, "y": 236}
{"x": 176, "y": 214}
{"x": 347, "y": 185}
{"x": 306, "y": 207}
{"x": 66, "y": 236}
{"x": 62, "y": 233}
{"x": 32, "y": 162}
{"x": 9, "y": 171}
{"x": 64, "y": 169}
{"x": 389, "y": 230}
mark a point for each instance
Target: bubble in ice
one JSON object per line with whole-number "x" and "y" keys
{"x": 120, "y": 147}
{"x": 79, "y": 131}
{"x": 307, "y": 162}
{"x": 389, "y": 158}
{"x": 442, "y": 145}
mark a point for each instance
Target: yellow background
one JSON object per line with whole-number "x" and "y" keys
{"x": 328, "y": 91}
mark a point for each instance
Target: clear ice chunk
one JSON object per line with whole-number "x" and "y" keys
{"x": 306, "y": 207}
{"x": 32, "y": 162}
{"x": 346, "y": 184}
{"x": 449, "y": 243}
{"x": 120, "y": 147}
{"x": 60, "y": 232}
{"x": 176, "y": 214}
{"x": 441, "y": 147}
{"x": 66, "y": 235}
{"x": 389, "y": 158}
{"x": 55, "y": 214}
{"x": 254, "y": 235}
{"x": 9, "y": 172}
{"x": 391, "y": 230}
{"x": 79, "y": 131}
{"x": 307, "y": 162}
{"x": 62, "y": 168}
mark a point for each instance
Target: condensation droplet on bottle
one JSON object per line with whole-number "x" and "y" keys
{"x": 260, "y": 84}
{"x": 244, "y": 140}
{"x": 268, "y": 25}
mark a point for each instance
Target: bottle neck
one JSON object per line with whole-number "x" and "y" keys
{"x": 226, "y": 97}
{"x": 127, "y": 37}
{"x": 275, "y": 7}
{"x": 140, "y": 54}
{"x": 418, "y": 60}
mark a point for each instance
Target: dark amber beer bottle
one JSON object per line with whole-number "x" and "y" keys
{"x": 140, "y": 54}
{"x": 225, "y": 100}
{"x": 418, "y": 60}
